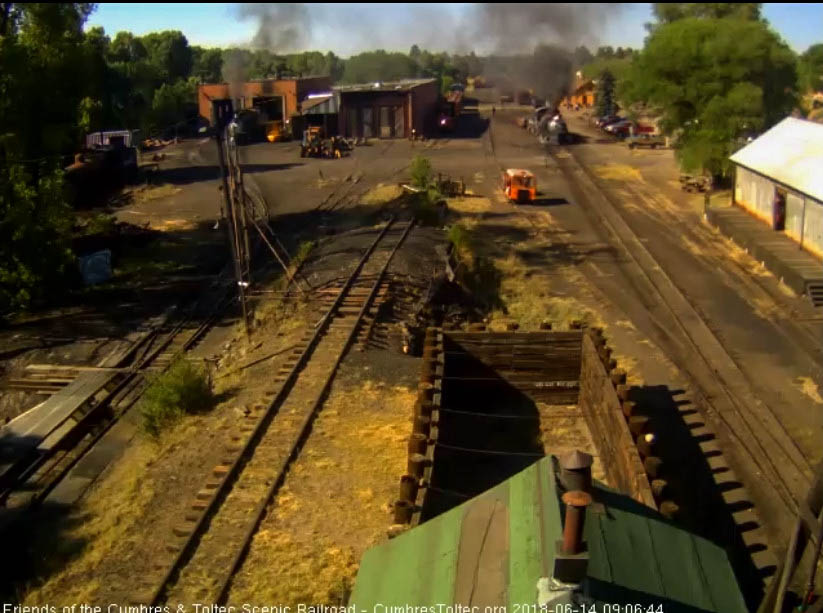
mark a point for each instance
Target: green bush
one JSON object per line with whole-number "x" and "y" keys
{"x": 182, "y": 389}
{"x": 460, "y": 237}
{"x": 421, "y": 172}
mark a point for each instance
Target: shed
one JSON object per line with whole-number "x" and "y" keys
{"x": 778, "y": 179}
{"x": 388, "y": 109}
{"x": 494, "y": 549}
{"x": 321, "y": 110}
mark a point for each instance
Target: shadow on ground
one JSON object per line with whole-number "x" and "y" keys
{"x": 691, "y": 483}
{"x": 194, "y": 174}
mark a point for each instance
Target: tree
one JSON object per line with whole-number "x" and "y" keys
{"x": 715, "y": 79}
{"x": 604, "y": 98}
{"x": 379, "y": 66}
{"x": 669, "y": 12}
{"x": 169, "y": 53}
{"x": 41, "y": 44}
{"x": 810, "y": 69}
{"x": 172, "y": 102}
{"x": 582, "y": 56}
{"x": 207, "y": 64}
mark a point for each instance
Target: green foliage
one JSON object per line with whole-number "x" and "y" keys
{"x": 35, "y": 226}
{"x": 182, "y": 389}
{"x": 460, "y": 237}
{"x": 421, "y": 172}
{"x": 172, "y": 101}
{"x": 810, "y": 69}
{"x": 89, "y": 114}
{"x": 207, "y": 64}
{"x": 169, "y": 53}
{"x": 605, "y": 97}
{"x": 619, "y": 68}
{"x": 445, "y": 84}
{"x": 716, "y": 79}
{"x": 379, "y": 66}
{"x": 669, "y": 12}
{"x": 99, "y": 223}
{"x": 303, "y": 251}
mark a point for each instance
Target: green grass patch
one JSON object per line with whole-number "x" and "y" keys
{"x": 461, "y": 238}
{"x": 303, "y": 251}
{"x": 475, "y": 271}
{"x": 183, "y": 389}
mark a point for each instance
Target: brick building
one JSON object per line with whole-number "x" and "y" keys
{"x": 388, "y": 109}
{"x": 280, "y": 99}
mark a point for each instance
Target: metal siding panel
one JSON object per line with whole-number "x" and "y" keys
{"x": 717, "y": 570}
{"x": 525, "y": 547}
{"x": 794, "y": 215}
{"x": 416, "y": 568}
{"x": 813, "y": 227}
{"x": 630, "y": 552}
{"x": 680, "y": 568}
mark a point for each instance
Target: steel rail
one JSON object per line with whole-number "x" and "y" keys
{"x": 188, "y": 547}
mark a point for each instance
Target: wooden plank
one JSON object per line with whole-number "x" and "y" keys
{"x": 37, "y": 423}
{"x": 60, "y": 367}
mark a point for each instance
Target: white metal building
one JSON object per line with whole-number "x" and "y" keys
{"x": 779, "y": 179}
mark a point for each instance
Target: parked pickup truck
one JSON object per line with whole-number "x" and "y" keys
{"x": 645, "y": 140}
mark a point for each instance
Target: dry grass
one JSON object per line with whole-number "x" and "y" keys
{"x": 618, "y": 172}
{"x": 530, "y": 299}
{"x": 381, "y": 194}
{"x": 809, "y": 388}
{"x": 110, "y": 511}
{"x": 471, "y": 204}
{"x": 336, "y": 501}
{"x": 154, "y": 192}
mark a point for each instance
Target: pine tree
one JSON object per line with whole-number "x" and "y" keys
{"x": 605, "y": 95}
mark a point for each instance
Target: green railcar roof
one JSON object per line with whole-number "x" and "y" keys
{"x": 492, "y": 550}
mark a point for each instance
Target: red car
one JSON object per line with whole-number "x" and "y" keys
{"x": 620, "y": 129}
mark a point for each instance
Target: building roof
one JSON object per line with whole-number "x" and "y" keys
{"x": 320, "y": 105}
{"x": 583, "y": 85}
{"x": 383, "y": 86}
{"x": 493, "y": 549}
{"x": 791, "y": 153}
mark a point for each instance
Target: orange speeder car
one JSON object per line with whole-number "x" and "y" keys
{"x": 519, "y": 185}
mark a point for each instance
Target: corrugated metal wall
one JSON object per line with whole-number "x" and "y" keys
{"x": 813, "y": 227}
{"x": 794, "y": 215}
{"x": 754, "y": 193}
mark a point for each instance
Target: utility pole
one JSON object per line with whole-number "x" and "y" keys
{"x": 223, "y": 113}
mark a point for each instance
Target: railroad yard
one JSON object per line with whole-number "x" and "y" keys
{"x": 610, "y": 280}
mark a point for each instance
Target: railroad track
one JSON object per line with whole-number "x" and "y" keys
{"x": 155, "y": 352}
{"x": 756, "y": 428}
{"x": 213, "y": 536}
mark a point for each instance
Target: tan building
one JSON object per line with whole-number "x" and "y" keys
{"x": 280, "y": 99}
{"x": 778, "y": 179}
{"x": 583, "y": 94}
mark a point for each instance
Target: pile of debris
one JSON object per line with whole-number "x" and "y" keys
{"x": 696, "y": 183}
